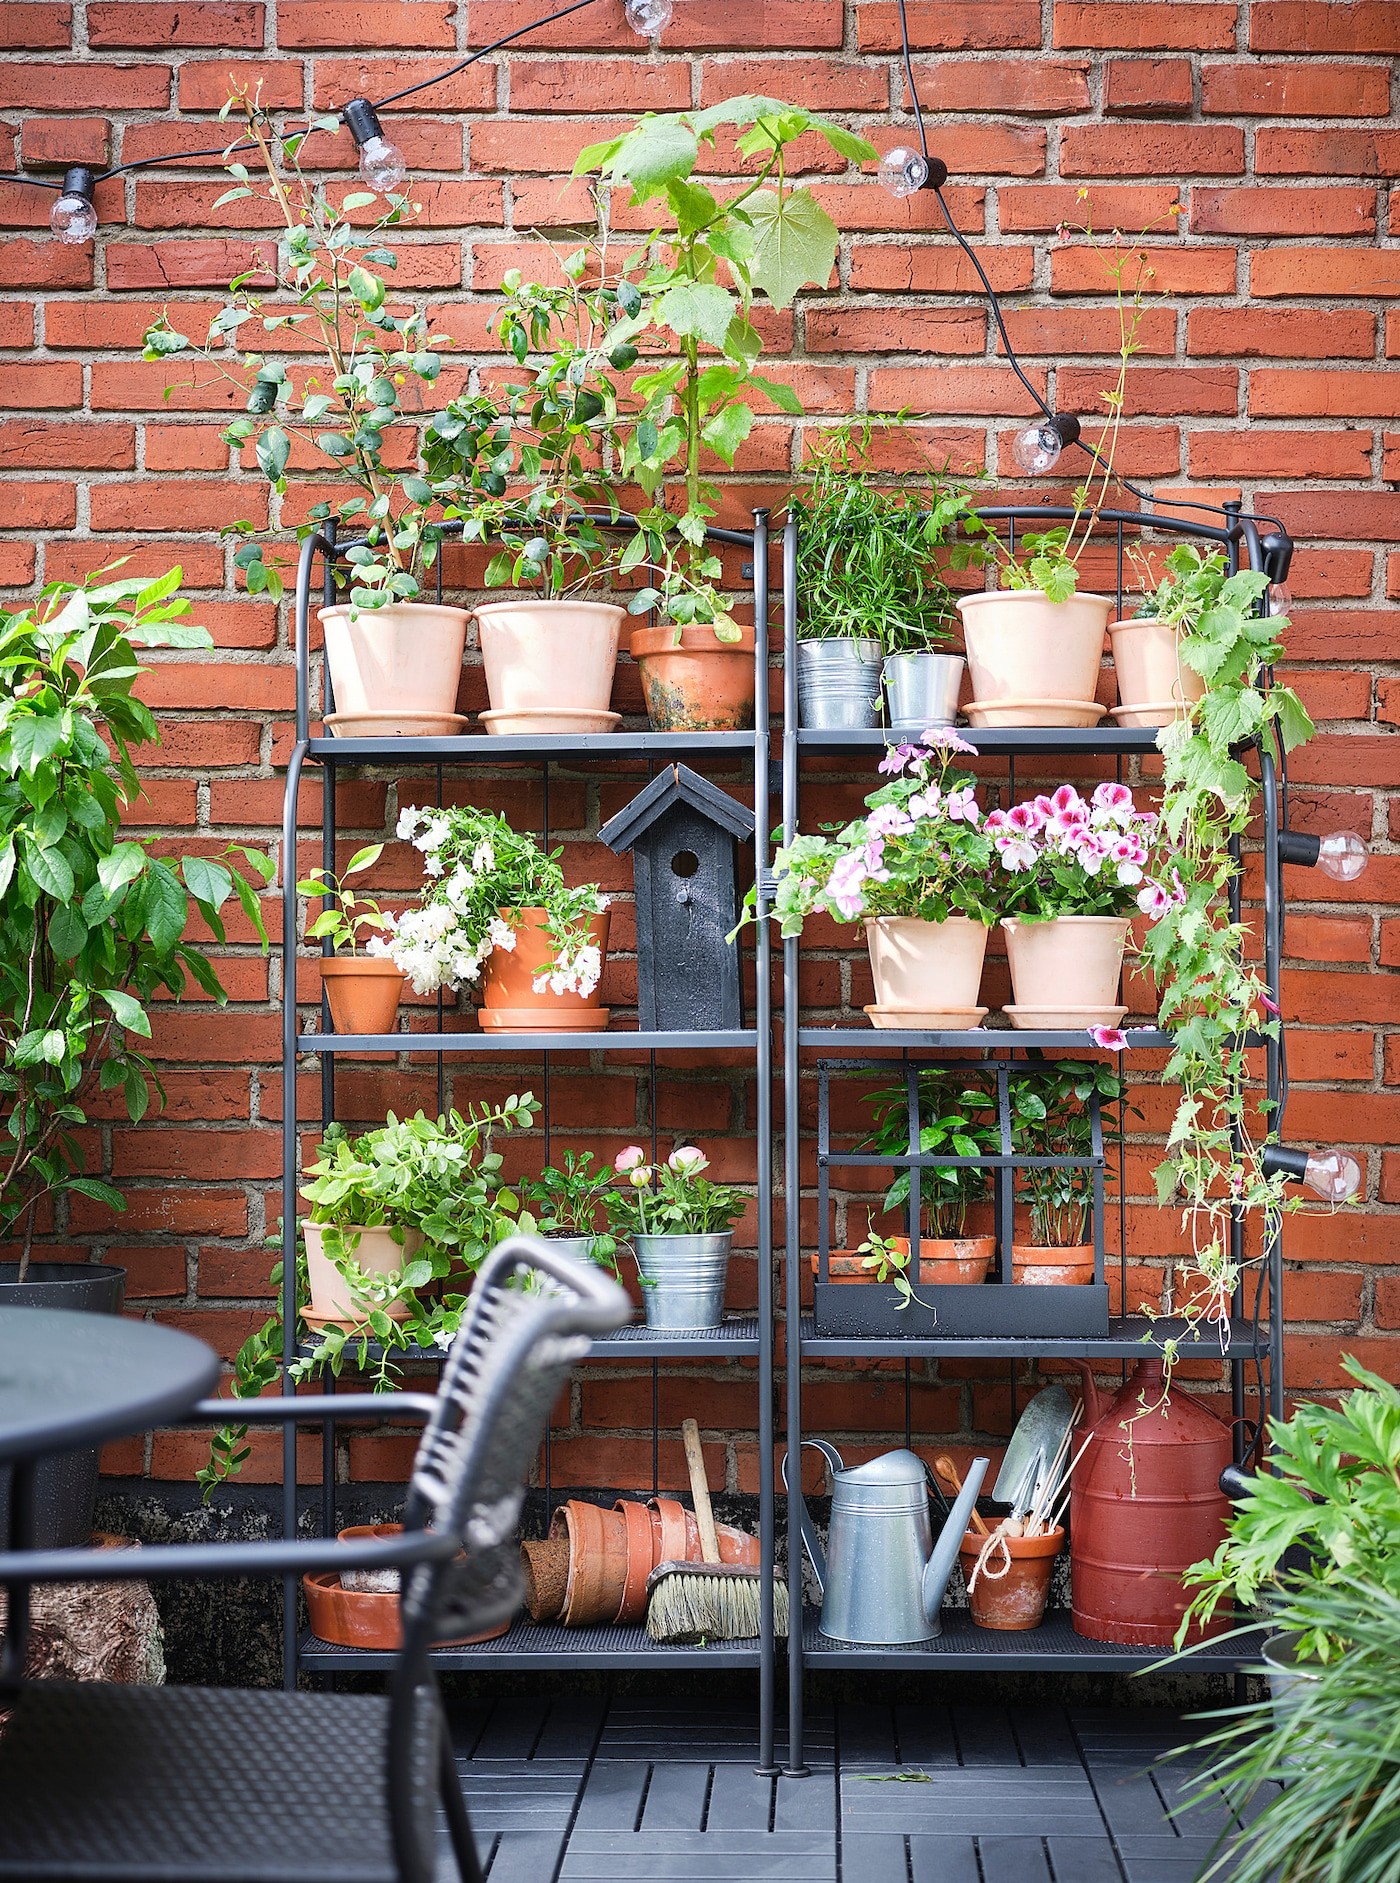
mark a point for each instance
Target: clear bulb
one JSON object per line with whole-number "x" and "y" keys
{"x": 902, "y": 172}
{"x": 73, "y": 220}
{"x": 649, "y": 17}
{"x": 1342, "y": 856}
{"x": 1280, "y": 598}
{"x": 1037, "y": 449}
{"x": 1334, "y": 1175}
{"x": 382, "y": 164}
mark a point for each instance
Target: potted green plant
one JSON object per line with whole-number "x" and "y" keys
{"x": 1156, "y": 681}
{"x": 873, "y": 603}
{"x": 878, "y": 1259}
{"x": 917, "y": 871}
{"x": 694, "y": 288}
{"x": 1074, "y": 872}
{"x": 1052, "y": 1116}
{"x": 495, "y": 909}
{"x": 564, "y": 1204}
{"x": 342, "y": 398}
{"x": 362, "y": 990}
{"x": 93, "y": 926}
{"x": 680, "y": 1229}
{"x": 522, "y": 466}
{"x": 956, "y": 1119}
{"x": 401, "y": 1217}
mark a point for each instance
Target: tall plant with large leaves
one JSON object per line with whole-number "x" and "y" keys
{"x": 92, "y": 922}
{"x": 691, "y": 288}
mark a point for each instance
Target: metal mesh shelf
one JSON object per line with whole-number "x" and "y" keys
{"x": 1054, "y": 1647}
{"x": 526, "y": 1646}
{"x": 618, "y": 1041}
{"x": 969, "y": 1039}
{"x": 1111, "y": 741}
{"x": 735, "y": 1338}
{"x": 1127, "y": 1339}
{"x": 475, "y": 747}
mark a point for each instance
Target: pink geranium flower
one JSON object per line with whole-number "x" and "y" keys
{"x": 1109, "y": 1037}
{"x": 961, "y": 805}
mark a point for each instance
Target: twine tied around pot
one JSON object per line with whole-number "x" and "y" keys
{"x": 995, "y": 1545}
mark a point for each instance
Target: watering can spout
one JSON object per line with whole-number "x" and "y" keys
{"x": 945, "y": 1548}
{"x": 1093, "y": 1402}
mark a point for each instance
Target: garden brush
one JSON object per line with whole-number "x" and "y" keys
{"x": 709, "y": 1600}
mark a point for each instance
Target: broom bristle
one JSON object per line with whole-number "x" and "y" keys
{"x": 709, "y": 1602}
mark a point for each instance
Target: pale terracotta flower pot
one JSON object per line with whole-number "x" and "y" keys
{"x": 693, "y": 682}
{"x": 1071, "y": 961}
{"x": 542, "y": 655}
{"x": 1150, "y": 671}
{"x": 1022, "y": 646}
{"x": 1049, "y": 1267}
{"x": 363, "y": 992}
{"x": 1014, "y": 1599}
{"x": 403, "y": 657}
{"x": 332, "y": 1302}
{"x": 925, "y": 967}
{"x": 944, "y": 1260}
{"x": 509, "y": 1001}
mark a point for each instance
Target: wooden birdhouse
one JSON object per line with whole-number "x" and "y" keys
{"x": 684, "y": 834}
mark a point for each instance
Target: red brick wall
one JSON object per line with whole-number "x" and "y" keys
{"x": 1266, "y": 373}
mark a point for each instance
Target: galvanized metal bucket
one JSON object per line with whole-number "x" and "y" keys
{"x": 922, "y": 690}
{"x": 838, "y": 684}
{"x": 683, "y": 1278}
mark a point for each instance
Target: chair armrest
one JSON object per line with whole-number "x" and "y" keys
{"x": 162, "y": 1560}
{"x": 310, "y": 1407}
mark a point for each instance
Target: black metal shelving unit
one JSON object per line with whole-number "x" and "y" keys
{"x": 744, "y": 1337}
{"x": 1248, "y": 1344}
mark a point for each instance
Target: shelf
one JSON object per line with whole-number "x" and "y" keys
{"x": 1127, "y": 1339}
{"x": 471, "y": 746}
{"x": 609, "y": 1040}
{"x": 736, "y": 1338}
{"x": 1110, "y": 741}
{"x": 865, "y": 1039}
{"x": 546, "y": 1647}
{"x": 1054, "y": 1647}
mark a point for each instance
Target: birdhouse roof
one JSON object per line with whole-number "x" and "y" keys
{"x": 678, "y": 784}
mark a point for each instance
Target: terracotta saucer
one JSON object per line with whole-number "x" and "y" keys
{"x": 1034, "y": 712}
{"x": 543, "y": 1020}
{"x": 927, "y": 1019}
{"x": 1062, "y": 1019}
{"x": 1153, "y": 713}
{"x": 544, "y": 720}
{"x": 397, "y": 725}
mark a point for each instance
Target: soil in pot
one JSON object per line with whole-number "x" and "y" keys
{"x": 694, "y": 683}
{"x": 1069, "y": 962}
{"x": 1014, "y": 1599}
{"x": 1047, "y": 1267}
{"x": 1150, "y": 672}
{"x": 332, "y": 1302}
{"x": 921, "y": 968}
{"x": 509, "y": 1001}
{"x": 362, "y": 991}
{"x": 1023, "y": 646}
{"x": 548, "y": 656}
{"x": 404, "y": 657}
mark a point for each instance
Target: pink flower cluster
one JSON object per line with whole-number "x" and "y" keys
{"x": 1104, "y": 832}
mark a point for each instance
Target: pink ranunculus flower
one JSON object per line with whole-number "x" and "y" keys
{"x": 629, "y": 1159}
{"x": 688, "y": 1160}
{"x": 1109, "y": 1037}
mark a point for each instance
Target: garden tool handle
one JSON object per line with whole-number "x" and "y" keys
{"x": 700, "y": 1491}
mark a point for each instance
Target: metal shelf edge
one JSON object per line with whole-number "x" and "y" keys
{"x": 526, "y": 1646}
{"x": 1128, "y": 1337}
{"x": 605, "y": 1040}
{"x": 470, "y": 746}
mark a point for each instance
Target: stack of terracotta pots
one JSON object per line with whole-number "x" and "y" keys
{"x": 593, "y": 1565}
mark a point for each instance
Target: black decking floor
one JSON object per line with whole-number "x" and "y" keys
{"x": 600, "y": 1791}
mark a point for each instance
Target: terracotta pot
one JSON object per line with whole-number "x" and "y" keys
{"x": 376, "y": 1251}
{"x": 676, "y": 1537}
{"x": 842, "y": 1265}
{"x": 1052, "y": 1267}
{"x": 404, "y": 657}
{"x": 549, "y": 654}
{"x": 509, "y": 1000}
{"x": 363, "y": 992}
{"x": 597, "y": 1575}
{"x": 357, "y": 1619}
{"x": 545, "y": 1568}
{"x": 1071, "y": 961}
{"x": 1022, "y": 646}
{"x": 640, "y": 1561}
{"x": 1149, "y": 668}
{"x": 925, "y": 966}
{"x": 1015, "y": 1600}
{"x": 949, "y": 1260}
{"x": 694, "y": 683}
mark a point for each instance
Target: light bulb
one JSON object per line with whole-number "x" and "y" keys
{"x": 1037, "y": 449}
{"x": 648, "y": 17}
{"x": 1280, "y": 598}
{"x": 1334, "y": 1175}
{"x": 903, "y": 172}
{"x": 1342, "y": 856}
{"x": 73, "y": 218}
{"x": 382, "y": 164}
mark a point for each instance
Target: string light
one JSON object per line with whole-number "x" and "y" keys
{"x": 382, "y": 164}
{"x": 648, "y": 17}
{"x": 73, "y": 218}
{"x": 1037, "y": 449}
{"x": 1342, "y": 855}
{"x": 1333, "y": 1175}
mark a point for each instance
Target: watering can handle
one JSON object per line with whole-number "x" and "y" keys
{"x": 811, "y": 1542}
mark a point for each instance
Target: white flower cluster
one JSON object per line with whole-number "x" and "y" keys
{"x": 432, "y": 948}
{"x": 574, "y": 972}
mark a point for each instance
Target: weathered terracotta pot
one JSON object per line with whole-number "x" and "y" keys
{"x": 1071, "y": 961}
{"x": 636, "y": 1520}
{"x": 332, "y": 1303}
{"x": 1150, "y": 671}
{"x": 543, "y": 655}
{"x": 925, "y": 966}
{"x": 404, "y": 657}
{"x": 509, "y": 1001}
{"x": 694, "y": 683}
{"x": 676, "y": 1537}
{"x": 1015, "y": 1600}
{"x": 597, "y": 1576}
{"x": 1052, "y": 1267}
{"x": 363, "y": 992}
{"x": 367, "y": 1616}
{"x": 1023, "y": 646}
{"x": 947, "y": 1260}
{"x": 545, "y": 1568}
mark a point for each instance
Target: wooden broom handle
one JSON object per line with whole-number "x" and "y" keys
{"x": 700, "y": 1491}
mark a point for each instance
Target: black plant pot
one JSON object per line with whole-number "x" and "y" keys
{"x": 65, "y": 1486}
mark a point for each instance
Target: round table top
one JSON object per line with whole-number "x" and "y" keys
{"x": 68, "y": 1380}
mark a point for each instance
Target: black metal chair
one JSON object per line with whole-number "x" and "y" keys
{"x": 206, "y": 1785}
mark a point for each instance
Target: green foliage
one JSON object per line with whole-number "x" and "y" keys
{"x": 691, "y": 288}
{"x": 888, "y": 1261}
{"x": 1332, "y": 1490}
{"x": 1052, "y": 1116}
{"x": 865, "y": 562}
{"x": 1049, "y": 559}
{"x": 344, "y": 914}
{"x": 956, "y": 1119}
{"x": 92, "y": 923}
{"x": 671, "y": 1199}
{"x": 568, "y": 1200}
{"x": 354, "y": 374}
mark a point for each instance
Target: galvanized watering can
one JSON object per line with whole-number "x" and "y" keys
{"x": 882, "y": 1576}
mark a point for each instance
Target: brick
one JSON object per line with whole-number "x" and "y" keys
{"x": 1290, "y": 453}
{"x": 83, "y": 85}
{"x": 894, "y": 329}
{"x": 29, "y": 27}
{"x": 1341, "y": 153}
{"x": 1281, "y": 392}
{"x": 409, "y": 23}
{"x": 1025, "y": 87}
{"x": 1151, "y": 150}
{"x": 161, "y": 385}
{"x": 69, "y": 447}
{"x": 989, "y": 390}
{"x": 718, "y": 25}
{"x": 185, "y": 448}
{"x": 45, "y": 383}
{"x": 1281, "y": 333}
{"x": 208, "y": 84}
{"x": 1142, "y": 88}
{"x": 1035, "y": 208}
{"x": 139, "y": 23}
{"x": 54, "y": 143}
{"x": 1295, "y": 26}
{"x": 1295, "y": 91}
{"x": 937, "y": 268}
{"x": 1295, "y": 272}
{"x": 822, "y": 84}
{"x": 958, "y": 26}
{"x": 1079, "y": 269}
{"x": 1256, "y": 210}
{"x": 1160, "y": 391}
{"x": 147, "y": 267}
{"x": 1147, "y": 25}
{"x": 32, "y": 505}
{"x": 1064, "y": 331}
{"x": 26, "y": 264}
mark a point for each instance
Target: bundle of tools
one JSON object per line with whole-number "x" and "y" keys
{"x": 1034, "y": 1479}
